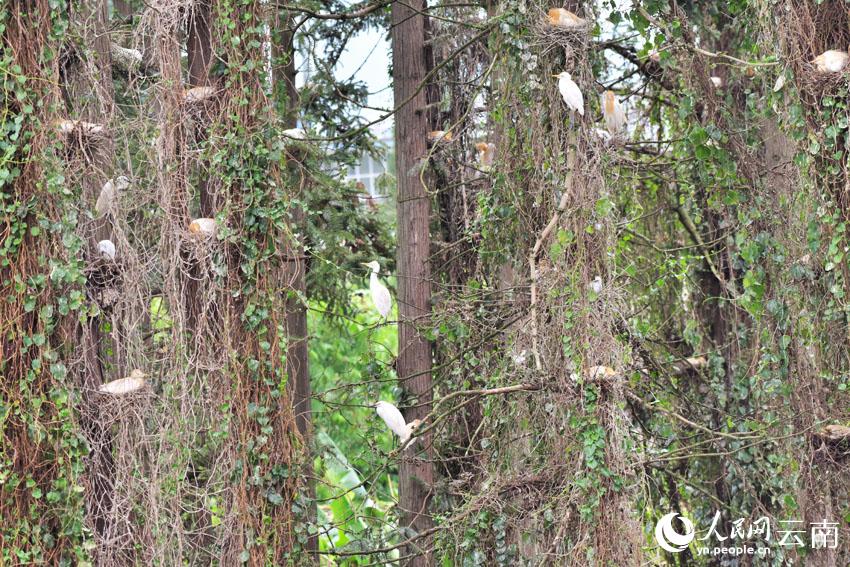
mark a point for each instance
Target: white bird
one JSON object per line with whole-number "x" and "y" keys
{"x": 602, "y": 134}
{"x": 440, "y": 136}
{"x": 109, "y": 195}
{"x": 780, "y": 82}
{"x": 615, "y": 118}
{"x": 570, "y": 91}
{"x": 198, "y": 94}
{"x": 135, "y": 381}
{"x": 106, "y": 249}
{"x": 395, "y": 421}
{"x": 380, "y": 294}
{"x": 295, "y": 133}
{"x": 68, "y": 126}
{"x": 601, "y": 372}
{"x": 486, "y": 154}
{"x": 832, "y": 61}
{"x": 596, "y": 285}
{"x": 124, "y": 57}
{"x": 203, "y": 227}
{"x": 717, "y": 82}
{"x": 565, "y": 19}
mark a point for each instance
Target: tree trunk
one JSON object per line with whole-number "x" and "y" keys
{"x": 295, "y": 277}
{"x": 416, "y": 474}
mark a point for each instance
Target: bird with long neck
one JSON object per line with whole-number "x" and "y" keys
{"x": 380, "y": 294}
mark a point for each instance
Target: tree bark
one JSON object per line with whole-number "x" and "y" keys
{"x": 199, "y": 56}
{"x": 295, "y": 276}
{"x": 416, "y": 474}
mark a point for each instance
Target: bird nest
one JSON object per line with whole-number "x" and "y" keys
{"x": 834, "y": 441}
{"x": 809, "y": 29}
{"x": 548, "y": 37}
{"x": 103, "y": 281}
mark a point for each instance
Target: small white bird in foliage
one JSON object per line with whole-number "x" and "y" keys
{"x": 198, "y": 94}
{"x": 135, "y": 381}
{"x": 780, "y": 82}
{"x": 570, "y": 91}
{"x": 106, "y": 248}
{"x": 596, "y": 285}
{"x": 395, "y": 421}
{"x": 717, "y": 82}
{"x": 295, "y": 133}
{"x": 380, "y": 294}
{"x": 109, "y": 195}
{"x": 486, "y": 154}
{"x": 832, "y": 61}
{"x": 203, "y": 227}
{"x": 565, "y": 19}
{"x": 615, "y": 118}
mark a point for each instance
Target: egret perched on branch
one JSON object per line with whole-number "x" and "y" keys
{"x": 565, "y": 19}
{"x": 486, "y": 154}
{"x": 596, "y": 285}
{"x": 615, "y": 118}
{"x": 832, "y": 61}
{"x": 109, "y": 193}
{"x": 295, "y": 133}
{"x": 395, "y": 421}
{"x": 135, "y": 381}
{"x": 570, "y": 91}
{"x": 106, "y": 249}
{"x": 203, "y": 227}
{"x": 380, "y": 294}
{"x": 717, "y": 82}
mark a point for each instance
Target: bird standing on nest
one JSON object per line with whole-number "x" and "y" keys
{"x": 203, "y": 227}
{"x": 570, "y": 92}
{"x": 565, "y": 19}
{"x": 615, "y": 118}
{"x": 135, "y": 381}
{"x": 832, "y": 61}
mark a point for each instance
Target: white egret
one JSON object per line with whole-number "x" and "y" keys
{"x": 601, "y": 372}
{"x": 124, "y": 57}
{"x": 106, "y": 249}
{"x": 596, "y": 285}
{"x": 717, "y": 82}
{"x": 109, "y": 194}
{"x": 570, "y": 91}
{"x": 203, "y": 227}
{"x": 68, "y": 126}
{"x": 615, "y": 118}
{"x": 486, "y": 154}
{"x": 395, "y": 421}
{"x": 295, "y": 133}
{"x": 440, "y": 136}
{"x": 135, "y": 381}
{"x": 198, "y": 94}
{"x": 832, "y": 61}
{"x": 565, "y": 19}
{"x": 380, "y": 294}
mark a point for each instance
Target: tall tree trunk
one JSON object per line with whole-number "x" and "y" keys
{"x": 295, "y": 277}
{"x": 416, "y": 474}
{"x": 199, "y": 55}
